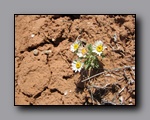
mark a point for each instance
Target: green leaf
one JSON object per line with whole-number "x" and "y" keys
{"x": 102, "y": 55}
{"x": 89, "y": 48}
{"x": 97, "y": 65}
{"x": 87, "y": 66}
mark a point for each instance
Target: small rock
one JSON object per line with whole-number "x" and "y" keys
{"x": 133, "y": 93}
{"x": 133, "y": 67}
{"x": 47, "y": 52}
{"x": 53, "y": 39}
{"x": 121, "y": 99}
{"x": 35, "y": 52}
{"x": 130, "y": 100}
{"x": 70, "y": 91}
{"x": 108, "y": 75}
{"x": 65, "y": 93}
{"x": 115, "y": 37}
{"x": 32, "y": 35}
{"x": 131, "y": 82}
{"x": 130, "y": 104}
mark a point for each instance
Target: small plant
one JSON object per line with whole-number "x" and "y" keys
{"x": 87, "y": 55}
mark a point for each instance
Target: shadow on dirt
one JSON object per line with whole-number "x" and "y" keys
{"x": 86, "y": 74}
{"x": 72, "y": 17}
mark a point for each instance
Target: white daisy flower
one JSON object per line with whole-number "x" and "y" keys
{"x": 82, "y": 51}
{"x": 74, "y": 47}
{"x": 98, "y": 47}
{"x": 77, "y": 66}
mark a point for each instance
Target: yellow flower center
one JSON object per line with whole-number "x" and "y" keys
{"x": 76, "y": 46}
{"x": 99, "y": 48}
{"x": 78, "y": 65}
{"x": 83, "y": 51}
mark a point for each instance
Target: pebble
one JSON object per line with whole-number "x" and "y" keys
{"x": 32, "y": 35}
{"x": 130, "y": 104}
{"x": 53, "y": 39}
{"x": 35, "y": 52}
{"x": 121, "y": 99}
{"x": 108, "y": 75}
{"x": 131, "y": 81}
{"x": 115, "y": 37}
{"x": 47, "y": 52}
{"x": 133, "y": 67}
{"x": 130, "y": 100}
{"x": 65, "y": 93}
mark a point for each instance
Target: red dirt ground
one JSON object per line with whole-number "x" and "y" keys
{"x": 43, "y": 73}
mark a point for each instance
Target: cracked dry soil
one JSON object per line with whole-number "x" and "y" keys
{"x": 43, "y": 74}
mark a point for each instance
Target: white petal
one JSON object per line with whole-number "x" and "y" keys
{"x": 71, "y": 48}
{"x": 100, "y": 53}
{"x": 104, "y": 47}
{"x": 98, "y": 43}
{"x": 74, "y": 62}
{"x": 94, "y": 50}
{"x": 79, "y": 69}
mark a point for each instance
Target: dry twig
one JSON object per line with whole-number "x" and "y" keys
{"x": 115, "y": 69}
{"x": 121, "y": 90}
{"x": 107, "y": 102}
{"x": 92, "y": 76}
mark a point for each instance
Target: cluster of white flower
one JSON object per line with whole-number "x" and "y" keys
{"x": 84, "y": 52}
